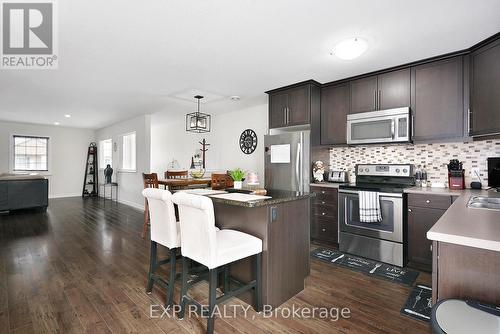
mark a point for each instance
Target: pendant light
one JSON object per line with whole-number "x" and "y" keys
{"x": 196, "y": 121}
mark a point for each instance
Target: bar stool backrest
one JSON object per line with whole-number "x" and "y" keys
{"x": 198, "y": 232}
{"x": 164, "y": 226}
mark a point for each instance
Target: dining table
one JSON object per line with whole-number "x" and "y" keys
{"x": 185, "y": 182}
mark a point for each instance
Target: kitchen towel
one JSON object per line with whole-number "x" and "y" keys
{"x": 369, "y": 207}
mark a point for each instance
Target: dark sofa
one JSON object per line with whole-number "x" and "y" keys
{"x": 23, "y": 192}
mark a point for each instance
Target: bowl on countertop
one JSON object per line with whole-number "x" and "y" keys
{"x": 197, "y": 173}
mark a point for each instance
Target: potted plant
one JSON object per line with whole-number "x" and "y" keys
{"x": 237, "y": 175}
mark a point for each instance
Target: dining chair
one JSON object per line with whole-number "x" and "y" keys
{"x": 150, "y": 181}
{"x": 182, "y": 174}
{"x": 221, "y": 181}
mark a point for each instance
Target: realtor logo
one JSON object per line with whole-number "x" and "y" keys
{"x": 28, "y": 35}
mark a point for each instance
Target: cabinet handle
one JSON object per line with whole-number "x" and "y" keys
{"x": 412, "y": 127}
{"x": 323, "y": 230}
{"x": 431, "y": 247}
{"x": 379, "y": 98}
{"x": 322, "y": 202}
{"x": 287, "y": 115}
{"x": 323, "y": 213}
{"x": 284, "y": 115}
{"x": 375, "y": 99}
{"x": 323, "y": 192}
{"x": 428, "y": 201}
{"x": 469, "y": 114}
{"x": 409, "y": 210}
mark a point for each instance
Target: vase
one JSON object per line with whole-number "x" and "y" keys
{"x": 238, "y": 184}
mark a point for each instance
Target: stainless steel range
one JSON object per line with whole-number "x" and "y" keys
{"x": 383, "y": 241}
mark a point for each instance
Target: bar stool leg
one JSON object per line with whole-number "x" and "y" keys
{"x": 183, "y": 300}
{"x": 226, "y": 278}
{"x": 258, "y": 282}
{"x": 171, "y": 282}
{"x": 212, "y": 286}
{"x": 152, "y": 266}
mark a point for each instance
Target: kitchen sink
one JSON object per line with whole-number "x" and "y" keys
{"x": 484, "y": 202}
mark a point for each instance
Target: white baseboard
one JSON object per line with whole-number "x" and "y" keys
{"x": 64, "y": 195}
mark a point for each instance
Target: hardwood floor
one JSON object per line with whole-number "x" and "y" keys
{"x": 82, "y": 265}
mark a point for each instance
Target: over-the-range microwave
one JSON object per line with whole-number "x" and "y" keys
{"x": 382, "y": 126}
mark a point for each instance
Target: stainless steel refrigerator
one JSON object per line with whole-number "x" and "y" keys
{"x": 287, "y": 163}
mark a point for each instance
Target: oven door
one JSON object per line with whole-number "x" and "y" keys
{"x": 391, "y": 226}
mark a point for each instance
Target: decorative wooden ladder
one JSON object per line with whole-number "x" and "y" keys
{"x": 90, "y": 188}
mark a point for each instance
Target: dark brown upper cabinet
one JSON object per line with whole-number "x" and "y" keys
{"x": 363, "y": 95}
{"x": 383, "y": 91}
{"x": 277, "y": 110}
{"x": 334, "y": 110}
{"x": 484, "y": 89}
{"x": 437, "y": 100}
{"x": 394, "y": 89}
{"x": 292, "y": 105}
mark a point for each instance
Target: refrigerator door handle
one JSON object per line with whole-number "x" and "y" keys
{"x": 297, "y": 168}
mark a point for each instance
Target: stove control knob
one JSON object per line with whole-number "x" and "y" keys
{"x": 367, "y": 170}
{"x": 397, "y": 170}
{"x": 405, "y": 170}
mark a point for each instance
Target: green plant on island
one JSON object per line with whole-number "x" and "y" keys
{"x": 237, "y": 174}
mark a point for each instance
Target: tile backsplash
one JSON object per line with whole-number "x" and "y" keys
{"x": 432, "y": 157}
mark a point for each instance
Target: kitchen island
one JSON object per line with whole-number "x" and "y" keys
{"x": 283, "y": 224}
{"x": 466, "y": 251}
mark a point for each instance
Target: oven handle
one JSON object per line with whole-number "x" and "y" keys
{"x": 356, "y": 192}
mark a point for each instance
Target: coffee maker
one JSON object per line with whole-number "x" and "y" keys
{"x": 456, "y": 175}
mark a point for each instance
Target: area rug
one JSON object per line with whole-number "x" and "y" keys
{"x": 366, "y": 266}
{"x": 419, "y": 303}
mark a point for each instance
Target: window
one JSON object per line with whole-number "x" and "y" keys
{"x": 105, "y": 153}
{"x": 30, "y": 153}
{"x": 128, "y": 152}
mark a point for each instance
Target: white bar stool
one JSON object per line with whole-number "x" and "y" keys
{"x": 164, "y": 231}
{"x": 202, "y": 242}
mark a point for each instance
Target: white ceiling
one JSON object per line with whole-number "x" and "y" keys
{"x": 122, "y": 58}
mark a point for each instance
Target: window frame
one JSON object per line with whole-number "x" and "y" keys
{"x": 100, "y": 152}
{"x": 122, "y": 169}
{"x": 12, "y": 155}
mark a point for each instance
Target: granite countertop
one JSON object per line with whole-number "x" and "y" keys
{"x": 465, "y": 226}
{"x": 277, "y": 197}
{"x": 326, "y": 184}
{"x": 434, "y": 191}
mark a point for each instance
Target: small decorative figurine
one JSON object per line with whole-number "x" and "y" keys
{"x": 318, "y": 171}
{"x": 108, "y": 172}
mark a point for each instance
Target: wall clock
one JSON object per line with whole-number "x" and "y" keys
{"x": 248, "y": 141}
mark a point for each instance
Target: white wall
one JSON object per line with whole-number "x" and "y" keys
{"x": 130, "y": 183}
{"x": 169, "y": 140}
{"x": 67, "y": 154}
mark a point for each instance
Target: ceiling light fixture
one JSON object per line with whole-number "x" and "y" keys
{"x": 350, "y": 48}
{"x": 56, "y": 123}
{"x": 196, "y": 121}
{"x": 235, "y": 98}
{"x": 67, "y": 116}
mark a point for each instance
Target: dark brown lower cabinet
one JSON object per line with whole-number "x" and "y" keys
{"x": 465, "y": 273}
{"x": 420, "y": 220}
{"x": 324, "y": 215}
{"x": 423, "y": 212}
